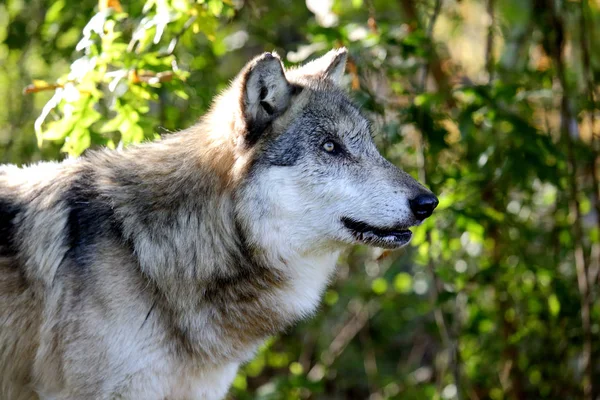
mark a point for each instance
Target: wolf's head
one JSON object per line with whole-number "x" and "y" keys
{"x": 312, "y": 176}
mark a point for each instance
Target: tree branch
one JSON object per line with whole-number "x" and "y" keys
{"x": 435, "y": 65}
{"x": 568, "y": 136}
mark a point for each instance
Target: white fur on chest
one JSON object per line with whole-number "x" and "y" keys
{"x": 309, "y": 277}
{"x": 175, "y": 381}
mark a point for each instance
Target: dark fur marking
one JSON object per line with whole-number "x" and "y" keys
{"x": 267, "y": 107}
{"x": 284, "y": 152}
{"x": 8, "y": 212}
{"x": 90, "y": 218}
{"x": 263, "y": 90}
{"x": 148, "y": 315}
{"x": 295, "y": 89}
{"x": 255, "y": 131}
{"x": 250, "y": 278}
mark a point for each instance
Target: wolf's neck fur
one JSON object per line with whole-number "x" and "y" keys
{"x": 194, "y": 247}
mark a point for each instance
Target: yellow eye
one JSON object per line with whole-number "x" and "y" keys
{"x": 329, "y": 147}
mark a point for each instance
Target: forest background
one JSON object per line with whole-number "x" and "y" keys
{"x": 493, "y": 104}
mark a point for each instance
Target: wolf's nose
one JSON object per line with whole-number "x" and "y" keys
{"x": 423, "y": 205}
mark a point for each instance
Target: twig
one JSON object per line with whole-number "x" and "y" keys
{"x": 136, "y": 76}
{"x": 436, "y": 12}
{"x": 372, "y": 22}
{"x": 435, "y": 65}
{"x": 33, "y": 88}
{"x": 173, "y": 43}
{"x": 308, "y": 348}
{"x": 346, "y": 334}
{"x": 369, "y": 359}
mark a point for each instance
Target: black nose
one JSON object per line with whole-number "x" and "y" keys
{"x": 423, "y": 205}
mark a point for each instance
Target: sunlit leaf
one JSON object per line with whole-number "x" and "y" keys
{"x": 379, "y": 286}
{"x": 553, "y": 304}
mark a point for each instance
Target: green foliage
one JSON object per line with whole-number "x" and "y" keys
{"x": 127, "y": 62}
{"x": 492, "y": 104}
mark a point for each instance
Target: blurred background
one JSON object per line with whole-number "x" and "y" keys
{"x": 493, "y": 104}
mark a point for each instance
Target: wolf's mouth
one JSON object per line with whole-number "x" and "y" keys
{"x": 386, "y": 237}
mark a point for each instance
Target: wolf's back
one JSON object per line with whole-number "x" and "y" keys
{"x": 32, "y": 230}
{"x": 20, "y": 305}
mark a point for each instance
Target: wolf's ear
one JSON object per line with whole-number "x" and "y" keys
{"x": 330, "y": 66}
{"x": 265, "y": 94}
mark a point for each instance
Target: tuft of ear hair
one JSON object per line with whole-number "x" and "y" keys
{"x": 330, "y": 66}
{"x": 266, "y": 94}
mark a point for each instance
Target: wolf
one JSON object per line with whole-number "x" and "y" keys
{"x": 155, "y": 271}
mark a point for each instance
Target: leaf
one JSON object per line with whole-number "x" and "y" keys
{"x": 112, "y": 125}
{"x": 296, "y": 368}
{"x": 553, "y": 305}
{"x": 215, "y": 7}
{"x": 77, "y": 142}
{"x": 181, "y": 94}
{"x": 131, "y": 132}
{"x": 403, "y": 283}
{"x": 57, "y": 130}
{"x": 53, "y": 13}
{"x": 379, "y": 286}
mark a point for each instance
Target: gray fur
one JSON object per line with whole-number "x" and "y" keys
{"x": 155, "y": 271}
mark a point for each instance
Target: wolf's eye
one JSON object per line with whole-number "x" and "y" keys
{"x": 330, "y": 147}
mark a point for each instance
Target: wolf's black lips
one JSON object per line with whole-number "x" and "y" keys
{"x": 388, "y": 237}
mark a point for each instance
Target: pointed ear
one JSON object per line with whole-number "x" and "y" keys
{"x": 265, "y": 94}
{"x": 330, "y": 66}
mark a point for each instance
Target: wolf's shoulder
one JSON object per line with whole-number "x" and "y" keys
{"x": 51, "y": 213}
{"x": 15, "y": 178}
